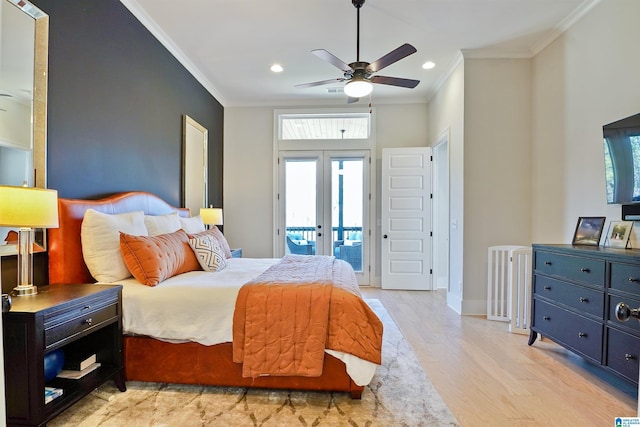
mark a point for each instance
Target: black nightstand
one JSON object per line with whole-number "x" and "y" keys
{"x": 74, "y": 318}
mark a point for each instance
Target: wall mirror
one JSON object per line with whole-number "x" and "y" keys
{"x": 24, "y": 45}
{"x": 194, "y": 165}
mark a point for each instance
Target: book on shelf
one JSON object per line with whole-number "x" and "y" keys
{"x": 74, "y": 374}
{"x": 51, "y": 393}
{"x": 78, "y": 362}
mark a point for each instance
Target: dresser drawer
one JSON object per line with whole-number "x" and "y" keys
{"x": 583, "y": 299}
{"x": 83, "y": 321}
{"x": 576, "y": 332}
{"x": 625, "y": 278}
{"x": 623, "y": 354}
{"x": 583, "y": 270}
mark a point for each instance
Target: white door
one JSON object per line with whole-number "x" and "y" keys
{"x": 324, "y": 200}
{"x": 406, "y": 218}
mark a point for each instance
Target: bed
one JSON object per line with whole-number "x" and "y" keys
{"x": 193, "y": 360}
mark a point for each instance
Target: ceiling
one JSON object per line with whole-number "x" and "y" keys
{"x": 230, "y": 45}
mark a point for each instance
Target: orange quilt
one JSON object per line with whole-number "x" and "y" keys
{"x": 286, "y": 317}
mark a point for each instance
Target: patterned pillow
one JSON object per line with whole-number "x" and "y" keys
{"x": 217, "y": 234}
{"x": 209, "y": 253}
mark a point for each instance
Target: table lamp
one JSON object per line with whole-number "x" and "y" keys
{"x": 211, "y": 216}
{"x": 27, "y": 208}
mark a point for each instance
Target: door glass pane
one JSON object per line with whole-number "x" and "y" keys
{"x": 300, "y": 206}
{"x": 347, "y": 188}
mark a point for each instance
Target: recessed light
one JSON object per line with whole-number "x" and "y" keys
{"x": 277, "y": 68}
{"x": 428, "y": 65}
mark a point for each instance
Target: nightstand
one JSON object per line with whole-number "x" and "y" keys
{"x": 74, "y": 318}
{"x": 236, "y": 253}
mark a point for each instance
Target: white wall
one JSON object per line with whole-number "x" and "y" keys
{"x": 587, "y": 78}
{"x": 249, "y": 170}
{"x": 445, "y": 112}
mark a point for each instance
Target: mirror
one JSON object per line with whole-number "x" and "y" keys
{"x": 194, "y": 165}
{"x": 24, "y": 45}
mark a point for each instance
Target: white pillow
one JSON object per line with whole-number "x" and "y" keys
{"x": 193, "y": 225}
{"x": 209, "y": 253}
{"x": 100, "y": 236}
{"x": 162, "y": 224}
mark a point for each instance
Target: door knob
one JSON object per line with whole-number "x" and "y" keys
{"x": 623, "y": 312}
{"x": 385, "y": 236}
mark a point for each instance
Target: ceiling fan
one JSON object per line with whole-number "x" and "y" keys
{"x": 359, "y": 75}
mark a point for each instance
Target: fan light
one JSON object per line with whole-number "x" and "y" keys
{"x": 358, "y": 88}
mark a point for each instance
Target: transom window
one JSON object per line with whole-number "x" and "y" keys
{"x": 323, "y": 126}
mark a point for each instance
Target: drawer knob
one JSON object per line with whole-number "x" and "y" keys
{"x": 633, "y": 279}
{"x": 546, "y": 318}
{"x": 547, "y": 288}
{"x": 583, "y": 299}
{"x": 89, "y": 321}
{"x": 628, "y": 357}
{"x": 547, "y": 263}
{"x": 585, "y": 270}
{"x": 624, "y": 313}
{"x": 582, "y": 334}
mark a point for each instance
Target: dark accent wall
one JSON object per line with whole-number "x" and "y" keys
{"x": 115, "y": 106}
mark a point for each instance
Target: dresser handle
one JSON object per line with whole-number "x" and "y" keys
{"x": 582, "y": 334}
{"x": 585, "y": 270}
{"x": 628, "y": 357}
{"x": 633, "y": 279}
{"x": 547, "y": 263}
{"x": 86, "y": 307}
{"x": 547, "y": 288}
{"x": 546, "y": 318}
{"x": 89, "y": 321}
{"x": 583, "y": 299}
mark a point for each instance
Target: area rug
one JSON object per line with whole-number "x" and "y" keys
{"x": 400, "y": 394}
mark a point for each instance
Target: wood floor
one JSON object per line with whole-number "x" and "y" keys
{"x": 491, "y": 377}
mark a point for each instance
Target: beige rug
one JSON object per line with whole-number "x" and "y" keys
{"x": 399, "y": 395}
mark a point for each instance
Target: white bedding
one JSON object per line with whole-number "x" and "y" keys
{"x": 198, "y": 306}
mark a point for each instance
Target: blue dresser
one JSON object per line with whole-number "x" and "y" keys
{"x": 575, "y": 293}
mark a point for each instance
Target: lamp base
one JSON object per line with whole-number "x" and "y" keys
{"x": 24, "y": 290}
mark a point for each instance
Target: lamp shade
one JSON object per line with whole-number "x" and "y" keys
{"x": 211, "y": 216}
{"x": 28, "y": 207}
{"x": 357, "y": 88}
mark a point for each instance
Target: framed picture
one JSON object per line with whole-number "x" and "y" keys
{"x": 588, "y": 230}
{"x": 618, "y": 234}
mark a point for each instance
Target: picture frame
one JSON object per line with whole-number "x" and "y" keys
{"x": 618, "y": 234}
{"x": 588, "y": 230}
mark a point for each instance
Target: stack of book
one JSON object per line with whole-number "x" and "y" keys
{"x": 77, "y": 367}
{"x": 51, "y": 393}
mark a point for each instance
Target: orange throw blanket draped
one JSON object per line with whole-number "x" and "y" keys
{"x": 286, "y": 317}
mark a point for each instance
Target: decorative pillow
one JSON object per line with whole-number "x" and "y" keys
{"x": 208, "y": 251}
{"x": 100, "y": 239}
{"x": 152, "y": 259}
{"x": 222, "y": 241}
{"x": 192, "y": 225}
{"x": 162, "y": 224}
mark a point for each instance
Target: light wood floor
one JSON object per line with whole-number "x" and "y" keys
{"x": 491, "y": 377}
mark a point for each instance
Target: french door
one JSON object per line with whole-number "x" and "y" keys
{"x": 323, "y": 205}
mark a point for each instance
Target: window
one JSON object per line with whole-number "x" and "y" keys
{"x": 324, "y": 126}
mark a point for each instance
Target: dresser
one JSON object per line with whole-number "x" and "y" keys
{"x": 575, "y": 293}
{"x": 77, "y": 319}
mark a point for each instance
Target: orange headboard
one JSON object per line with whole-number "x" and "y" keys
{"x": 66, "y": 264}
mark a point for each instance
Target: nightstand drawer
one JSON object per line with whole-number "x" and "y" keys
{"x": 580, "y": 334}
{"x": 86, "y": 320}
{"x": 583, "y": 299}
{"x": 625, "y": 278}
{"x": 623, "y": 354}
{"x": 584, "y": 270}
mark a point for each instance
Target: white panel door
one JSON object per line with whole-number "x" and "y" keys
{"x": 406, "y": 218}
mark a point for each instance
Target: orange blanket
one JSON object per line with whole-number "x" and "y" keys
{"x": 285, "y": 318}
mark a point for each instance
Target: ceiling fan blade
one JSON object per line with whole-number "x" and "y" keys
{"x": 320, "y": 83}
{"x": 391, "y": 57}
{"x": 323, "y": 54}
{"x": 395, "y": 81}
{"x": 351, "y": 100}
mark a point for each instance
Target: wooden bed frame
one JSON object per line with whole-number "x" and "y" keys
{"x": 148, "y": 359}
